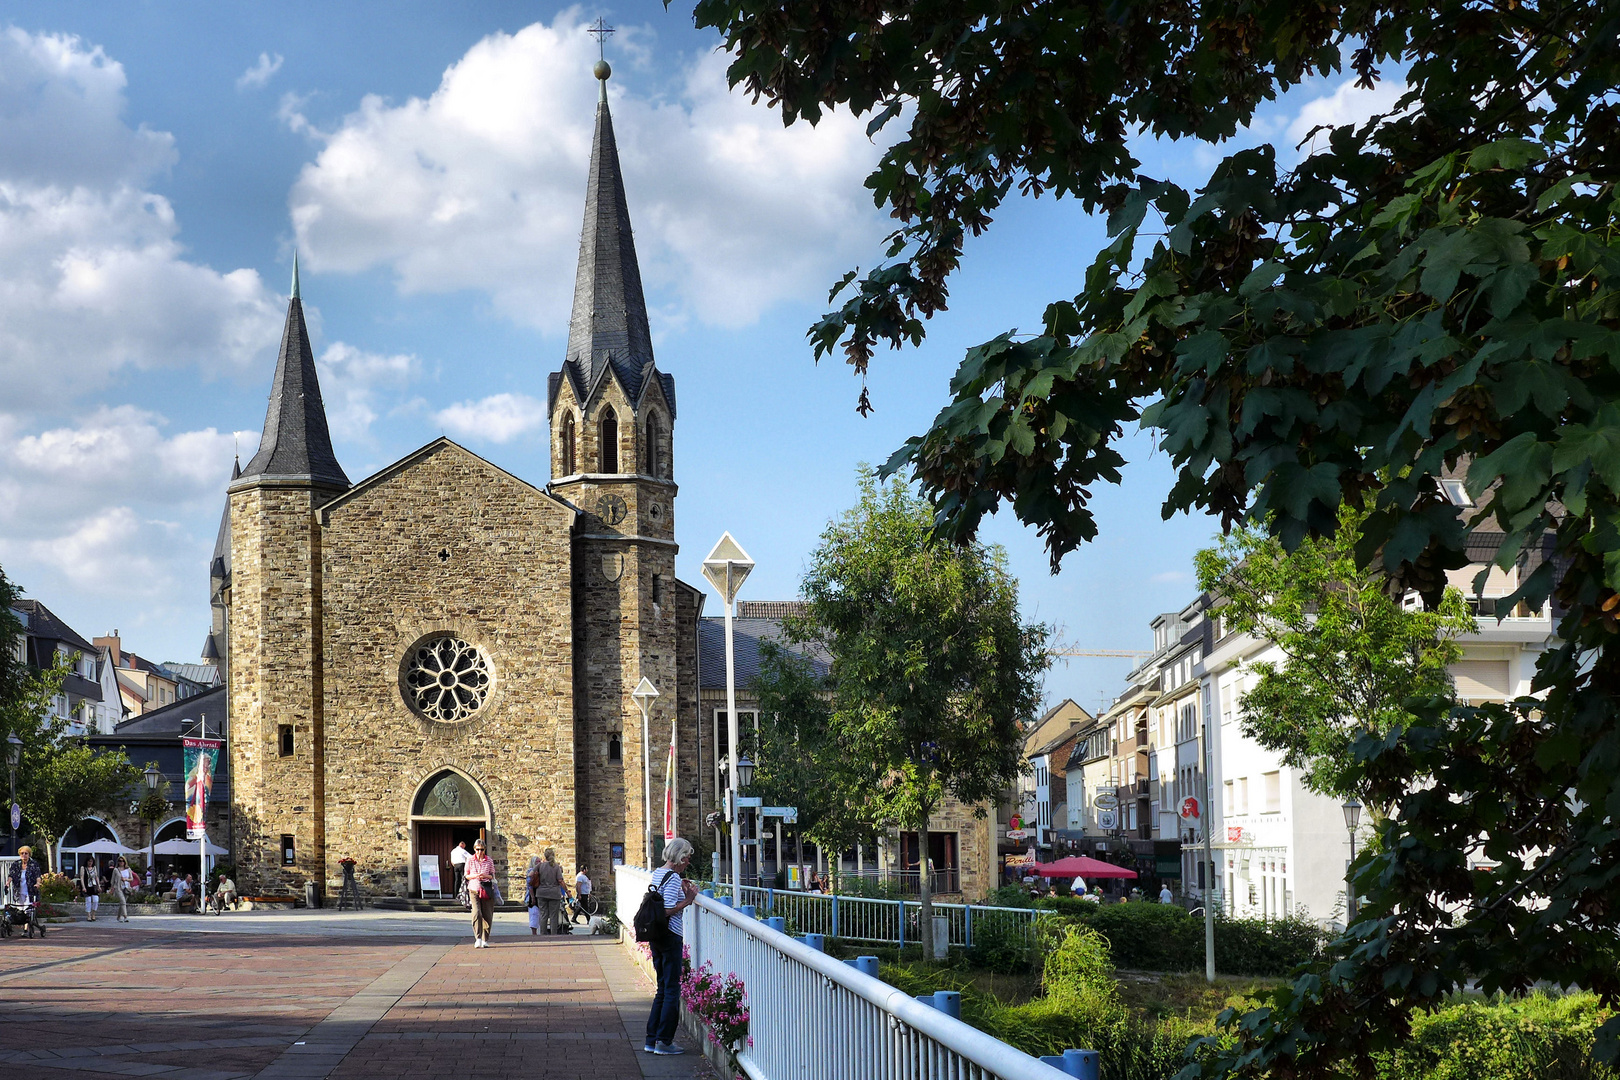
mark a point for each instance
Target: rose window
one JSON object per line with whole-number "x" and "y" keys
{"x": 446, "y": 678}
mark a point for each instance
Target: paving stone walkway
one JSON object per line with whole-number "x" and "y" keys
{"x": 196, "y": 1001}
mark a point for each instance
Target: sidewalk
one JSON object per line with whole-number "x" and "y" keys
{"x": 303, "y": 997}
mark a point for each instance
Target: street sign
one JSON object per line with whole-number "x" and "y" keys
{"x": 1189, "y": 807}
{"x": 16, "y": 817}
{"x": 1105, "y": 800}
{"x": 1107, "y": 819}
{"x": 788, "y": 814}
{"x": 1020, "y": 834}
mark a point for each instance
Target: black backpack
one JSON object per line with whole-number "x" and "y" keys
{"x": 652, "y": 922}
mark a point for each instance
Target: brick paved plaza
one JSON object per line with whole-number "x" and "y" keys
{"x": 298, "y": 996}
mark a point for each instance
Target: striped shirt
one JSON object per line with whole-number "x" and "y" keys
{"x": 671, "y": 889}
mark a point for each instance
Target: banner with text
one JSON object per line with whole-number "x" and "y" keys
{"x": 202, "y": 758}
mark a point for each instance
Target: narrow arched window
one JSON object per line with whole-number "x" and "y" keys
{"x": 652, "y": 438}
{"x": 567, "y": 463}
{"x": 610, "y": 441}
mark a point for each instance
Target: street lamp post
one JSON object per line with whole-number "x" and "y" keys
{"x": 745, "y": 779}
{"x": 154, "y": 777}
{"x": 13, "y": 759}
{"x": 1352, "y": 818}
{"x": 726, "y": 568}
{"x": 644, "y": 693}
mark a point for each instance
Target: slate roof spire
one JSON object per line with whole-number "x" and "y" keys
{"x": 296, "y": 444}
{"x": 609, "y": 321}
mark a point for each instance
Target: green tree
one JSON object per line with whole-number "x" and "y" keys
{"x": 932, "y": 668}
{"x": 1353, "y": 655}
{"x": 1433, "y": 287}
{"x": 26, "y": 692}
{"x": 61, "y": 781}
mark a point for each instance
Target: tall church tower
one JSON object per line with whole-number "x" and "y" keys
{"x": 274, "y": 628}
{"x": 612, "y": 414}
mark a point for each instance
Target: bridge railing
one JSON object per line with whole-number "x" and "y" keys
{"x": 812, "y": 1017}
{"x": 888, "y": 922}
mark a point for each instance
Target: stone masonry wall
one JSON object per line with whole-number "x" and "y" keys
{"x": 274, "y": 680}
{"x": 446, "y": 542}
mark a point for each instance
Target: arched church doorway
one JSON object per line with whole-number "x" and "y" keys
{"x": 87, "y": 831}
{"x": 448, "y": 809}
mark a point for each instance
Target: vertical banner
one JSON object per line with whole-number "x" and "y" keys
{"x": 202, "y": 758}
{"x": 669, "y": 788}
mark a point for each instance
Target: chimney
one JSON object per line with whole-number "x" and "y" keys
{"x": 113, "y": 645}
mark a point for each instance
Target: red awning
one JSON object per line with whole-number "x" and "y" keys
{"x": 1083, "y": 867}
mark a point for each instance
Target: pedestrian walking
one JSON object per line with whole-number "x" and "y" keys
{"x": 548, "y": 892}
{"x": 120, "y": 884}
{"x": 1165, "y": 895}
{"x": 531, "y": 901}
{"x": 458, "y": 866}
{"x": 479, "y": 870}
{"x": 90, "y": 884}
{"x": 677, "y": 894}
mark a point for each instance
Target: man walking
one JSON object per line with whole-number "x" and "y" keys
{"x": 458, "y": 867}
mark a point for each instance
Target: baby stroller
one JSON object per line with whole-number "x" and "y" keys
{"x": 20, "y": 917}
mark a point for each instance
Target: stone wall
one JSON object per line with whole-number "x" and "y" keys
{"x": 445, "y": 542}
{"x": 275, "y": 679}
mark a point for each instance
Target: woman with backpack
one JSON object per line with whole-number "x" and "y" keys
{"x": 675, "y": 895}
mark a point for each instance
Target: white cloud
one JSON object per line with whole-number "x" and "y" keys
{"x": 481, "y": 185}
{"x": 95, "y": 279}
{"x": 1348, "y": 104}
{"x": 91, "y": 508}
{"x": 259, "y": 74}
{"x": 350, "y": 381}
{"x": 498, "y": 418}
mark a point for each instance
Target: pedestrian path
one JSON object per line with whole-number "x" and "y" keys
{"x": 209, "y": 999}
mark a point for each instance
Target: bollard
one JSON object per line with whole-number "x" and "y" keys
{"x": 866, "y": 965}
{"x": 748, "y": 910}
{"x": 948, "y": 1002}
{"x": 777, "y": 923}
{"x": 707, "y": 892}
{"x": 1084, "y": 1064}
{"x": 726, "y": 900}
{"x": 817, "y": 942}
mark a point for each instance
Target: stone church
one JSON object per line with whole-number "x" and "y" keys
{"x": 444, "y": 647}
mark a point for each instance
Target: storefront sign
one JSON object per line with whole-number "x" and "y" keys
{"x": 1105, "y": 800}
{"x": 1234, "y": 834}
{"x": 1107, "y": 819}
{"x": 1019, "y": 834}
{"x": 1189, "y": 807}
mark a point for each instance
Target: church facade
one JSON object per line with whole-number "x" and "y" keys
{"x": 445, "y": 647}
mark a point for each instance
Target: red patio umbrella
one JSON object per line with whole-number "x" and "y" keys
{"x": 1081, "y": 866}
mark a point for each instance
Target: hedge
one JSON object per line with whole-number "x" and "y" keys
{"x": 1162, "y": 937}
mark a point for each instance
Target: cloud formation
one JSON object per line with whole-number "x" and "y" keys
{"x": 1347, "y": 104}
{"x": 480, "y": 185}
{"x": 498, "y": 418}
{"x": 259, "y": 74}
{"x": 95, "y": 278}
{"x": 351, "y": 382}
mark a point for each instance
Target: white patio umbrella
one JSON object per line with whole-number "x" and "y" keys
{"x": 186, "y": 847}
{"x": 101, "y": 847}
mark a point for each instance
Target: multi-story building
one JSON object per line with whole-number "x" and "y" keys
{"x": 1043, "y": 789}
{"x": 82, "y": 701}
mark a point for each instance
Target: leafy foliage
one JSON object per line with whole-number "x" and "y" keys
{"x": 58, "y": 783}
{"x": 1353, "y": 655}
{"x": 932, "y": 669}
{"x": 1434, "y": 289}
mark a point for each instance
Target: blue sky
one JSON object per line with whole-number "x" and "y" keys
{"x": 159, "y": 163}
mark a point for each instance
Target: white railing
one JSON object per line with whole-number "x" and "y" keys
{"x": 889, "y": 922}
{"x": 812, "y": 1017}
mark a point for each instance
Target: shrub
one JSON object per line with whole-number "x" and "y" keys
{"x": 1010, "y": 896}
{"x": 1001, "y": 943}
{"x": 1531, "y": 1038}
{"x": 1164, "y": 937}
{"x": 57, "y": 888}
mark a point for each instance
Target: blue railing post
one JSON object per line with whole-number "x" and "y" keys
{"x": 817, "y": 942}
{"x": 770, "y": 901}
{"x": 777, "y": 923}
{"x": 835, "y": 915}
{"x": 707, "y": 892}
{"x": 866, "y": 965}
{"x": 747, "y": 909}
{"x": 949, "y": 1002}
{"x": 967, "y": 929}
{"x": 902, "y": 934}
{"x": 1080, "y": 1064}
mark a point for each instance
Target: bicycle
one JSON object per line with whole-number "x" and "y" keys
{"x": 582, "y": 909}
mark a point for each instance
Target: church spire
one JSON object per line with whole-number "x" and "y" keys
{"x": 609, "y": 322}
{"x": 296, "y": 444}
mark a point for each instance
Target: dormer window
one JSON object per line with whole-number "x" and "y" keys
{"x": 609, "y": 441}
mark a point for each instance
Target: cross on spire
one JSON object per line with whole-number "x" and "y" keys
{"x": 601, "y": 29}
